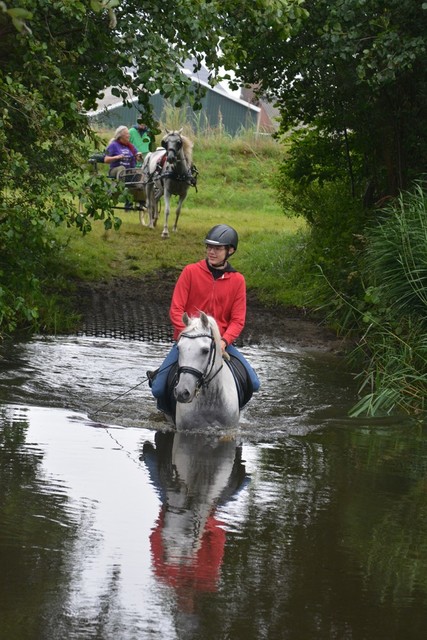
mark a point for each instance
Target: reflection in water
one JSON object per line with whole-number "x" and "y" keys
{"x": 114, "y": 532}
{"x": 193, "y": 475}
{"x": 76, "y": 515}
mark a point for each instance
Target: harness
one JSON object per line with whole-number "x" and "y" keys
{"x": 189, "y": 177}
{"x": 204, "y": 378}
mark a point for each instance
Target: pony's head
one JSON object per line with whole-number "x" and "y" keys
{"x": 199, "y": 356}
{"x": 173, "y": 141}
{"x": 203, "y": 378}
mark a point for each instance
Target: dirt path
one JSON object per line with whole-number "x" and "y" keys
{"x": 137, "y": 308}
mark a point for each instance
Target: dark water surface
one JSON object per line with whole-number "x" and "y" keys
{"x": 302, "y": 525}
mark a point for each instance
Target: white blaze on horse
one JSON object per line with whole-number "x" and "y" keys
{"x": 206, "y": 391}
{"x": 168, "y": 172}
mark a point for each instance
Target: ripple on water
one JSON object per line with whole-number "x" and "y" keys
{"x": 106, "y": 379}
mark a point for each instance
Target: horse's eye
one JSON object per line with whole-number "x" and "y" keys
{"x": 204, "y": 350}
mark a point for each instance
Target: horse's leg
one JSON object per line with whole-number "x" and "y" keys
{"x": 151, "y": 205}
{"x": 165, "y": 232}
{"x": 178, "y": 211}
{"x": 148, "y": 197}
{"x": 141, "y": 201}
{"x": 157, "y": 196}
{"x": 154, "y": 210}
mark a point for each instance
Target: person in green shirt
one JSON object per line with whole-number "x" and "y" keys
{"x": 141, "y": 137}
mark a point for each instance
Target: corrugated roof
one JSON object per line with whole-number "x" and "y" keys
{"x": 201, "y": 77}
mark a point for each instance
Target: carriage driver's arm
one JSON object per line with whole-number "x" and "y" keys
{"x": 109, "y": 159}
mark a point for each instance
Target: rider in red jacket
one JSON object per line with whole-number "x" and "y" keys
{"x": 215, "y": 287}
{"x": 224, "y": 298}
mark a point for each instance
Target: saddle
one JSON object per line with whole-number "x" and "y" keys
{"x": 240, "y": 375}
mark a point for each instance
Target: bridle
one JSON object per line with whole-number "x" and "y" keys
{"x": 179, "y": 170}
{"x": 172, "y": 147}
{"x": 204, "y": 378}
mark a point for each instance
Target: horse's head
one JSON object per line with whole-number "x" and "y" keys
{"x": 178, "y": 147}
{"x": 199, "y": 358}
{"x": 172, "y": 142}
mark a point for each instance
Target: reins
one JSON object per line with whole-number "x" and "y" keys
{"x": 120, "y": 395}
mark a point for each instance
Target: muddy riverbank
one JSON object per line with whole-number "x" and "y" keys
{"x": 138, "y": 308}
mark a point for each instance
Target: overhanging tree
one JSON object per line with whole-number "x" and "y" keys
{"x": 56, "y": 58}
{"x": 355, "y": 68}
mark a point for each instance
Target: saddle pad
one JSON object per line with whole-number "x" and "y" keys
{"x": 242, "y": 379}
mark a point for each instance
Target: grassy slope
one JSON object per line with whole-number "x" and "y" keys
{"x": 234, "y": 186}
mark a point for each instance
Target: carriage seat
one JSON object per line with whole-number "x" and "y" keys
{"x": 97, "y": 157}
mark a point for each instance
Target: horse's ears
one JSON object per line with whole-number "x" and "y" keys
{"x": 180, "y": 131}
{"x": 167, "y": 131}
{"x": 204, "y": 319}
{"x": 185, "y": 319}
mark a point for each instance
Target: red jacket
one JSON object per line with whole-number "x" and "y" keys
{"x": 225, "y": 299}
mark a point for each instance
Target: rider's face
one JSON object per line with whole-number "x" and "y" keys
{"x": 216, "y": 254}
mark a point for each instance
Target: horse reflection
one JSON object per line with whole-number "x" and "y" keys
{"x": 193, "y": 474}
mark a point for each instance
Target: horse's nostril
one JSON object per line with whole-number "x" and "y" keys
{"x": 183, "y": 396}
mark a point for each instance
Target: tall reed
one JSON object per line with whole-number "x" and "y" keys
{"x": 395, "y": 269}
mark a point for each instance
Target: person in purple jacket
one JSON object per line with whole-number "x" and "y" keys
{"x": 121, "y": 152}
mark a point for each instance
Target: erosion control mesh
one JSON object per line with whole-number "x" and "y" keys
{"x": 116, "y": 312}
{"x": 138, "y": 309}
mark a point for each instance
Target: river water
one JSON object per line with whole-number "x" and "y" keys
{"x": 302, "y": 525}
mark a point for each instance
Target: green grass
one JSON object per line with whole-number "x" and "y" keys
{"x": 235, "y": 186}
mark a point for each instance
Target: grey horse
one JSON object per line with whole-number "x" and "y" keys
{"x": 168, "y": 171}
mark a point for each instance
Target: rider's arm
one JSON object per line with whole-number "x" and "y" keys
{"x": 237, "y": 296}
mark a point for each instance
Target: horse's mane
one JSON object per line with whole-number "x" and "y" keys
{"x": 187, "y": 147}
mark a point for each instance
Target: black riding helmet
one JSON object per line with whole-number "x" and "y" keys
{"x": 222, "y": 234}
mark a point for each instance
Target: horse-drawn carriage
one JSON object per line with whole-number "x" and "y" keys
{"x": 132, "y": 178}
{"x": 167, "y": 171}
